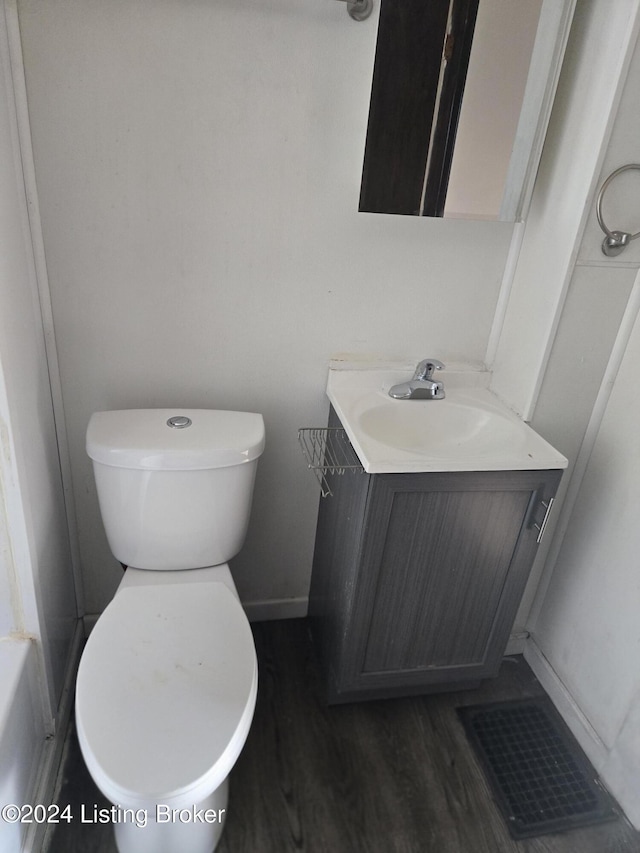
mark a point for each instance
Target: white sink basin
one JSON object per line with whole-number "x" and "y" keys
{"x": 470, "y": 430}
{"x": 440, "y": 428}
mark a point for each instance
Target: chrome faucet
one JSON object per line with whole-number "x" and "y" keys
{"x": 423, "y": 386}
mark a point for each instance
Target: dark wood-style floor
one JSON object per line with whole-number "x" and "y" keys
{"x": 393, "y": 776}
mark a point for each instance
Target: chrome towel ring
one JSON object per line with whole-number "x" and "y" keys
{"x": 614, "y": 241}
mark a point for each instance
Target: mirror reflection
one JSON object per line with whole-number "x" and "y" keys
{"x": 458, "y": 100}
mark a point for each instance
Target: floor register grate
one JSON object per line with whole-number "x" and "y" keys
{"x": 540, "y": 778}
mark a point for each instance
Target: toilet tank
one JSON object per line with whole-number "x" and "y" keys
{"x": 175, "y": 486}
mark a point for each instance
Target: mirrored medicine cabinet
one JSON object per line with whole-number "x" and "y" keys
{"x": 460, "y": 101}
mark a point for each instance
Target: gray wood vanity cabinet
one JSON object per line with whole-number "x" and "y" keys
{"x": 417, "y": 577}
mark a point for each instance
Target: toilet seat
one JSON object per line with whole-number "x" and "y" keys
{"x": 165, "y": 693}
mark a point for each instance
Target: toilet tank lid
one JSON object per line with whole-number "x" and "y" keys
{"x": 174, "y": 439}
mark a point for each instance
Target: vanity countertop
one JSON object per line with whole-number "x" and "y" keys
{"x": 470, "y": 430}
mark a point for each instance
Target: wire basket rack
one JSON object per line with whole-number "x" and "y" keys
{"x": 328, "y": 451}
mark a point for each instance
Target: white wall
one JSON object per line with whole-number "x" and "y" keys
{"x": 36, "y": 559}
{"x": 587, "y": 99}
{"x": 589, "y": 626}
{"x": 198, "y": 169}
{"x": 586, "y": 617}
{"x": 38, "y": 617}
{"x": 567, "y": 300}
{"x": 570, "y": 316}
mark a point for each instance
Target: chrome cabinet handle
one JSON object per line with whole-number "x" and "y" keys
{"x": 542, "y": 527}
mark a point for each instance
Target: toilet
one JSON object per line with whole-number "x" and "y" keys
{"x": 167, "y": 683}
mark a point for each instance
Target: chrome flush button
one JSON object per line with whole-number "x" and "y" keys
{"x": 179, "y": 422}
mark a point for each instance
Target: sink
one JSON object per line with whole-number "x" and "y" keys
{"x": 440, "y": 428}
{"x": 470, "y": 430}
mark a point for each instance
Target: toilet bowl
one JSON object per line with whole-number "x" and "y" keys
{"x": 165, "y": 697}
{"x": 167, "y": 683}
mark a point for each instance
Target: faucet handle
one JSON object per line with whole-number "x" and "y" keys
{"x": 425, "y": 368}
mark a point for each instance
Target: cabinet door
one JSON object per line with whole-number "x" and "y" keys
{"x": 445, "y": 559}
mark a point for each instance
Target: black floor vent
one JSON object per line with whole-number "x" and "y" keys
{"x": 541, "y": 779}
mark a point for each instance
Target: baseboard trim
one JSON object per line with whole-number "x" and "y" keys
{"x": 594, "y": 747}
{"x": 276, "y": 608}
{"x": 37, "y": 838}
